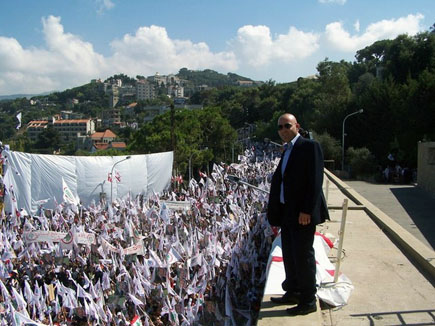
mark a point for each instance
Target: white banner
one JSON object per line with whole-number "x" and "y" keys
{"x": 41, "y": 236}
{"x": 178, "y": 205}
{"x": 137, "y": 249}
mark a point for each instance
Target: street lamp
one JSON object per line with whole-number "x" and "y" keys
{"x": 241, "y": 141}
{"x": 190, "y": 162}
{"x": 342, "y": 141}
{"x": 111, "y": 175}
{"x": 236, "y": 179}
{"x": 267, "y": 140}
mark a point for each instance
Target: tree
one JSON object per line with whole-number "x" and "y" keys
{"x": 48, "y": 141}
{"x": 333, "y": 96}
{"x": 194, "y": 131}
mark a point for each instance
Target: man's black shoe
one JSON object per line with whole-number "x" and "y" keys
{"x": 287, "y": 298}
{"x": 302, "y": 309}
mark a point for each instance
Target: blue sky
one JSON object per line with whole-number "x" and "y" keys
{"x": 50, "y": 45}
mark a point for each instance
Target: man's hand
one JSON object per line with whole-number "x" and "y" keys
{"x": 304, "y": 219}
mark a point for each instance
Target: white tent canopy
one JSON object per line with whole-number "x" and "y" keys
{"x": 35, "y": 177}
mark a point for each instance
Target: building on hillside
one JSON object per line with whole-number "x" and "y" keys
{"x": 105, "y": 140}
{"x": 203, "y": 87}
{"x": 130, "y": 109}
{"x": 118, "y": 145}
{"x": 245, "y": 83}
{"x": 114, "y": 96}
{"x": 152, "y": 111}
{"x": 105, "y": 137}
{"x": 145, "y": 90}
{"x": 111, "y": 117}
{"x": 127, "y": 94}
{"x": 172, "y": 80}
{"x": 158, "y": 79}
{"x": 35, "y": 127}
{"x": 70, "y": 115}
{"x": 189, "y": 106}
{"x": 70, "y": 103}
{"x": 175, "y": 91}
{"x": 68, "y": 129}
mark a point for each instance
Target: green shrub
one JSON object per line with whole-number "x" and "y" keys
{"x": 361, "y": 161}
{"x": 330, "y": 146}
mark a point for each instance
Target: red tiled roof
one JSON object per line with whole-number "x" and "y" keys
{"x": 118, "y": 144}
{"x": 97, "y": 135}
{"x": 103, "y": 134}
{"x": 72, "y": 121}
{"x": 109, "y": 134}
{"x": 37, "y": 123}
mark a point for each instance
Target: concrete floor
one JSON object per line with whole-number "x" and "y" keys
{"x": 408, "y": 205}
{"x": 389, "y": 287}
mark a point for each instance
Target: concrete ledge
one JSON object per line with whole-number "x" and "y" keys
{"x": 350, "y": 207}
{"x": 414, "y": 248}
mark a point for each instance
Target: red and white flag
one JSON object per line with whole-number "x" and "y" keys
{"x": 136, "y": 321}
{"x": 117, "y": 176}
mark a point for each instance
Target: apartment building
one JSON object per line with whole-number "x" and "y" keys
{"x": 69, "y": 130}
{"x": 176, "y": 91}
{"x": 145, "y": 90}
{"x": 111, "y": 117}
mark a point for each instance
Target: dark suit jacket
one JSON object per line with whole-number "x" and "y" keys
{"x": 303, "y": 178}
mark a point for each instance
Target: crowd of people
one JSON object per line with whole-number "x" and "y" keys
{"x": 143, "y": 261}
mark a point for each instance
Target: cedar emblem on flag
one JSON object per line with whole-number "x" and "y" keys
{"x": 68, "y": 195}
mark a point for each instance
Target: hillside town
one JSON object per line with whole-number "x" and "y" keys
{"x": 73, "y": 127}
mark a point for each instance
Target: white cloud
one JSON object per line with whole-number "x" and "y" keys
{"x": 341, "y": 40}
{"x": 340, "y": 2}
{"x": 104, "y": 5}
{"x": 356, "y": 26}
{"x": 151, "y": 50}
{"x": 255, "y": 46}
{"x": 66, "y": 61}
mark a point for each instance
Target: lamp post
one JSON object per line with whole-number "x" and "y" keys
{"x": 343, "y": 134}
{"x": 236, "y": 179}
{"x": 267, "y": 140}
{"x": 111, "y": 175}
{"x": 242, "y": 141}
{"x": 190, "y": 162}
{"x": 190, "y": 167}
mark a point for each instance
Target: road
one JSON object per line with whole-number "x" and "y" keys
{"x": 408, "y": 205}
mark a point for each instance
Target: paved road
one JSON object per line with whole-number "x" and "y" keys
{"x": 408, "y": 205}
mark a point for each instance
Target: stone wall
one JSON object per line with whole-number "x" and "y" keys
{"x": 426, "y": 166}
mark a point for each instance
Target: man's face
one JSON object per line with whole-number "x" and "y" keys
{"x": 287, "y": 127}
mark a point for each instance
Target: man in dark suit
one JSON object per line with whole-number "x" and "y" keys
{"x": 297, "y": 205}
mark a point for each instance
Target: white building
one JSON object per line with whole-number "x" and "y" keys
{"x": 68, "y": 130}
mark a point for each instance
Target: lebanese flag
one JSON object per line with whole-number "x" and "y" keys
{"x": 136, "y": 321}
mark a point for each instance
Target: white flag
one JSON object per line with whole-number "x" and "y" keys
{"x": 173, "y": 256}
{"x": 19, "y": 120}
{"x": 20, "y": 319}
{"x": 68, "y": 195}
